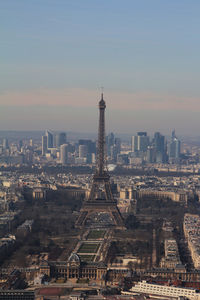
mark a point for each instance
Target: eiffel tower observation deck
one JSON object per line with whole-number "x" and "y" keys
{"x": 100, "y": 209}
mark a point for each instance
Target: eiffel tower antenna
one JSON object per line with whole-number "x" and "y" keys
{"x": 101, "y": 200}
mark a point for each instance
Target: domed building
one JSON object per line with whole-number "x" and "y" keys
{"x": 74, "y": 260}
{"x": 74, "y": 269}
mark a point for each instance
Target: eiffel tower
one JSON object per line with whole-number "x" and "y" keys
{"x": 100, "y": 209}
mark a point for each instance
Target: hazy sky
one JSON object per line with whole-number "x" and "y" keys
{"x": 55, "y": 55}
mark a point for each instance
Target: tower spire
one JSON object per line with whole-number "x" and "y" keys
{"x": 101, "y": 138}
{"x": 102, "y": 92}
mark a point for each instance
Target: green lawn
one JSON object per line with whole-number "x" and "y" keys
{"x": 86, "y": 258}
{"x": 96, "y": 234}
{"x": 88, "y": 248}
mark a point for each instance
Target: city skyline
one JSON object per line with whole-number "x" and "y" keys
{"x": 99, "y": 149}
{"x": 55, "y": 56}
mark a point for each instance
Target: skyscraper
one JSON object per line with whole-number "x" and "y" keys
{"x": 110, "y": 140}
{"x": 151, "y": 154}
{"x": 143, "y": 143}
{"x": 160, "y": 148}
{"x": 60, "y": 139}
{"x": 140, "y": 142}
{"x": 49, "y": 139}
{"x": 5, "y": 144}
{"x": 44, "y": 145}
{"x": 134, "y": 143}
{"x": 83, "y": 151}
{"x": 113, "y": 146}
{"x": 91, "y": 146}
{"x": 64, "y": 154}
{"x": 159, "y": 142}
{"x": 174, "y": 147}
{"x": 118, "y": 144}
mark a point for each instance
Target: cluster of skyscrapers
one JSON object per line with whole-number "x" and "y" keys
{"x": 56, "y": 148}
{"x": 157, "y": 150}
{"x": 16, "y": 152}
{"x": 80, "y": 153}
{"x": 113, "y": 145}
{"x": 143, "y": 148}
{"x": 69, "y": 153}
{"x": 50, "y": 141}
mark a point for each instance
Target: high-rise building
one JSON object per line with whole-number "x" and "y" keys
{"x": 151, "y": 154}
{"x": 113, "y": 146}
{"x": 143, "y": 143}
{"x": 110, "y": 141}
{"x": 140, "y": 142}
{"x": 142, "y": 133}
{"x": 44, "y": 145}
{"x": 83, "y": 151}
{"x": 113, "y": 153}
{"x": 159, "y": 145}
{"x": 49, "y": 139}
{"x": 159, "y": 142}
{"x": 134, "y": 143}
{"x": 64, "y": 154}
{"x": 60, "y": 139}
{"x": 5, "y": 144}
{"x": 174, "y": 147}
{"x": 118, "y": 144}
{"x": 91, "y": 146}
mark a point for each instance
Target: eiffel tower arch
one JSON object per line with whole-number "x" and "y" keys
{"x": 100, "y": 209}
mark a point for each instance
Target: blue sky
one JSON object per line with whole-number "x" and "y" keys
{"x": 55, "y": 54}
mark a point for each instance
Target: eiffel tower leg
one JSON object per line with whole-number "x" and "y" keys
{"x": 82, "y": 218}
{"x": 117, "y": 218}
{"x": 113, "y": 211}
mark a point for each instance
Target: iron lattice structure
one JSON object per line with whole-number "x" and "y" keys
{"x": 101, "y": 139}
{"x": 100, "y": 200}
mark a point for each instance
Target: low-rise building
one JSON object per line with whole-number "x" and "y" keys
{"x": 178, "y": 196}
{"x": 39, "y": 194}
{"x": 172, "y": 292}
{"x": 191, "y": 227}
{"x": 172, "y": 258}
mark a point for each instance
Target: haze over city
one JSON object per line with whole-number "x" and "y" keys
{"x": 55, "y": 56}
{"x": 99, "y": 150}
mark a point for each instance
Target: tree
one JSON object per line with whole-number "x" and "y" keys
{"x": 131, "y": 222}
